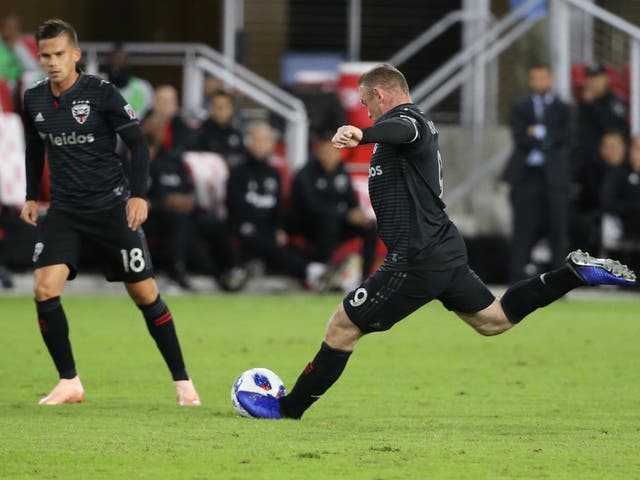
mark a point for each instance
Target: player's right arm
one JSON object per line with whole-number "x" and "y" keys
{"x": 400, "y": 129}
{"x": 34, "y": 166}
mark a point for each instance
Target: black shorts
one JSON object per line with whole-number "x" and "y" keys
{"x": 386, "y": 297}
{"x": 124, "y": 254}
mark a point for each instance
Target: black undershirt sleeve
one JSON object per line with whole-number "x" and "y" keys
{"x": 139, "y": 171}
{"x": 34, "y": 165}
{"x": 34, "y": 158}
{"x": 395, "y": 130}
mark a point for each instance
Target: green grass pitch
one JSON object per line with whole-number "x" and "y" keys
{"x": 558, "y": 397}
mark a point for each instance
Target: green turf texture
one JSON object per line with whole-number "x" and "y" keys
{"x": 558, "y": 397}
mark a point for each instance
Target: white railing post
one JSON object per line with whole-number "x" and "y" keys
{"x": 634, "y": 64}
{"x": 355, "y": 29}
{"x": 560, "y": 46}
{"x": 297, "y": 140}
{"x": 477, "y": 14}
{"x": 192, "y": 84}
{"x": 91, "y": 64}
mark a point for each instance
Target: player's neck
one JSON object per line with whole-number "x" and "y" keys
{"x": 58, "y": 89}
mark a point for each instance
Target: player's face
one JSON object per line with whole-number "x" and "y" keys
{"x": 369, "y": 99}
{"x": 58, "y": 57}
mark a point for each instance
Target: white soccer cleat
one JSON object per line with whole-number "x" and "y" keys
{"x": 68, "y": 390}
{"x": 186, "y": 393}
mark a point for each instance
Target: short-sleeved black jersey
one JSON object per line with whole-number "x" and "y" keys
{"x": 79, "y": 130}
{"x": 405, "y": 186}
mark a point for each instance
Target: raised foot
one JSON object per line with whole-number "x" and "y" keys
{"x": 600, "y": 271}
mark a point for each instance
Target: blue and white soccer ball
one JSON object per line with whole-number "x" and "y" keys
{"x": 257, "y": 381}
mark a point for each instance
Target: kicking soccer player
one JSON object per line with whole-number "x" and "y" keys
{"x": 426, "y": 257}
{"x": 76, "y": 118}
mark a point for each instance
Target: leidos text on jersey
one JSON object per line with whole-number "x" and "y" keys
{"x": 71, "y": 139}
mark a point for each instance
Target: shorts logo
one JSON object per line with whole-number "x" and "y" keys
{"x": 37, "y": 251}
{"x": 359, "y": 297}
{"x": 81, "y": 111}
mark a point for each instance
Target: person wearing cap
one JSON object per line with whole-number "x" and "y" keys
{"x": 600, "y": 111}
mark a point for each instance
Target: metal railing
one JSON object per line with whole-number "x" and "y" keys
{"x": 443, "y": 75}
{"x": 429, "y": 35}
{"x": 470, "y": 65}
{"x": 561, "y": 49}
{"x": 198, "y": 59}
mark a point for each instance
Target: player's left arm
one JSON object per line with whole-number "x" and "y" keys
{"x": 137, "y": 208}
{"x": 122, "y": 119}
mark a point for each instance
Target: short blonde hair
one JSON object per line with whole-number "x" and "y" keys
{"x": 385, "y": 76}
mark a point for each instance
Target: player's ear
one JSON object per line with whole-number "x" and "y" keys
{"x": 77, "y": 54}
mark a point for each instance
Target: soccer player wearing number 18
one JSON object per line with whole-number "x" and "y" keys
{"x": 426, "y": 257}
{"x": 76, "y": 117}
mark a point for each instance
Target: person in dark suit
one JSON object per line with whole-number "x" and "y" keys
{"x": 539, "y": 172}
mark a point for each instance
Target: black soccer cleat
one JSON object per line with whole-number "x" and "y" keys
{"x": 599, "y": 271}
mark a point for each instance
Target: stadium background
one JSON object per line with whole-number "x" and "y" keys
{"x": 269, "y": 34}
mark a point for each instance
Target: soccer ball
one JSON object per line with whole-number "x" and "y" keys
{"x": 257, "y": 381}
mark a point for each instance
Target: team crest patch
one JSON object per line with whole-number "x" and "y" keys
{"x": 130, "y": 111}
{"x": 37, "y": 251}
{"x": 81, "y": 111}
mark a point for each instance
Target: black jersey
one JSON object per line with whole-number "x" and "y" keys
{"x": 405, "y": 186}
{"x": 79, "y": 130}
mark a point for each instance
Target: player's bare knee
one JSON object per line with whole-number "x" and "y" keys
{"x": 143, "y": 293}
{"x": 44, "y": 290}
{"x": 493, "y": 326}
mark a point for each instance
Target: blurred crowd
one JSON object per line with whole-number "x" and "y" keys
{"x": 224, "y": 202}
{"x": 575, "y": 169}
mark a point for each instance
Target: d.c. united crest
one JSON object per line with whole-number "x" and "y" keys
{"x": 80, "y": 112}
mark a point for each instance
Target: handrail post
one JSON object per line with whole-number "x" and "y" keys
{"x": 634, "y": 64}
{"x": 560, "y": 45}
{"x": 192, "y": 84}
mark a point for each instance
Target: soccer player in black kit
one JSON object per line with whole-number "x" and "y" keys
{"x": 76, "y": 117}
{"x": 426, "y": 257}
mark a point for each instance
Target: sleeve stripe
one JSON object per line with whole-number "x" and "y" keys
{"x": 414, "y": 125}
{"x": 127, "y": 125}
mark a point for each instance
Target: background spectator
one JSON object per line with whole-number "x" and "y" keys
{"x": 19, "y": 62}
{"x": 601, "y": 111}
{"x": 621, "y": 193}
{"x": 193, "y": 233}
{"x": 587, "y": 215}
{"x": 164, "y": 121}
{"x": 325, "y": 208}
{"x": 255, "y": 209}
{"x": 136, "y": 91}
{"x": 217, "y": 134}
{"x": 538, "y": 172}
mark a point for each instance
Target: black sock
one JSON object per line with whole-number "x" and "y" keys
{"x": 317, "y": 377}
{"x": 528, "y": 295}
{"x": 55, "y": 333}
{"x": 161, "y": 327}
